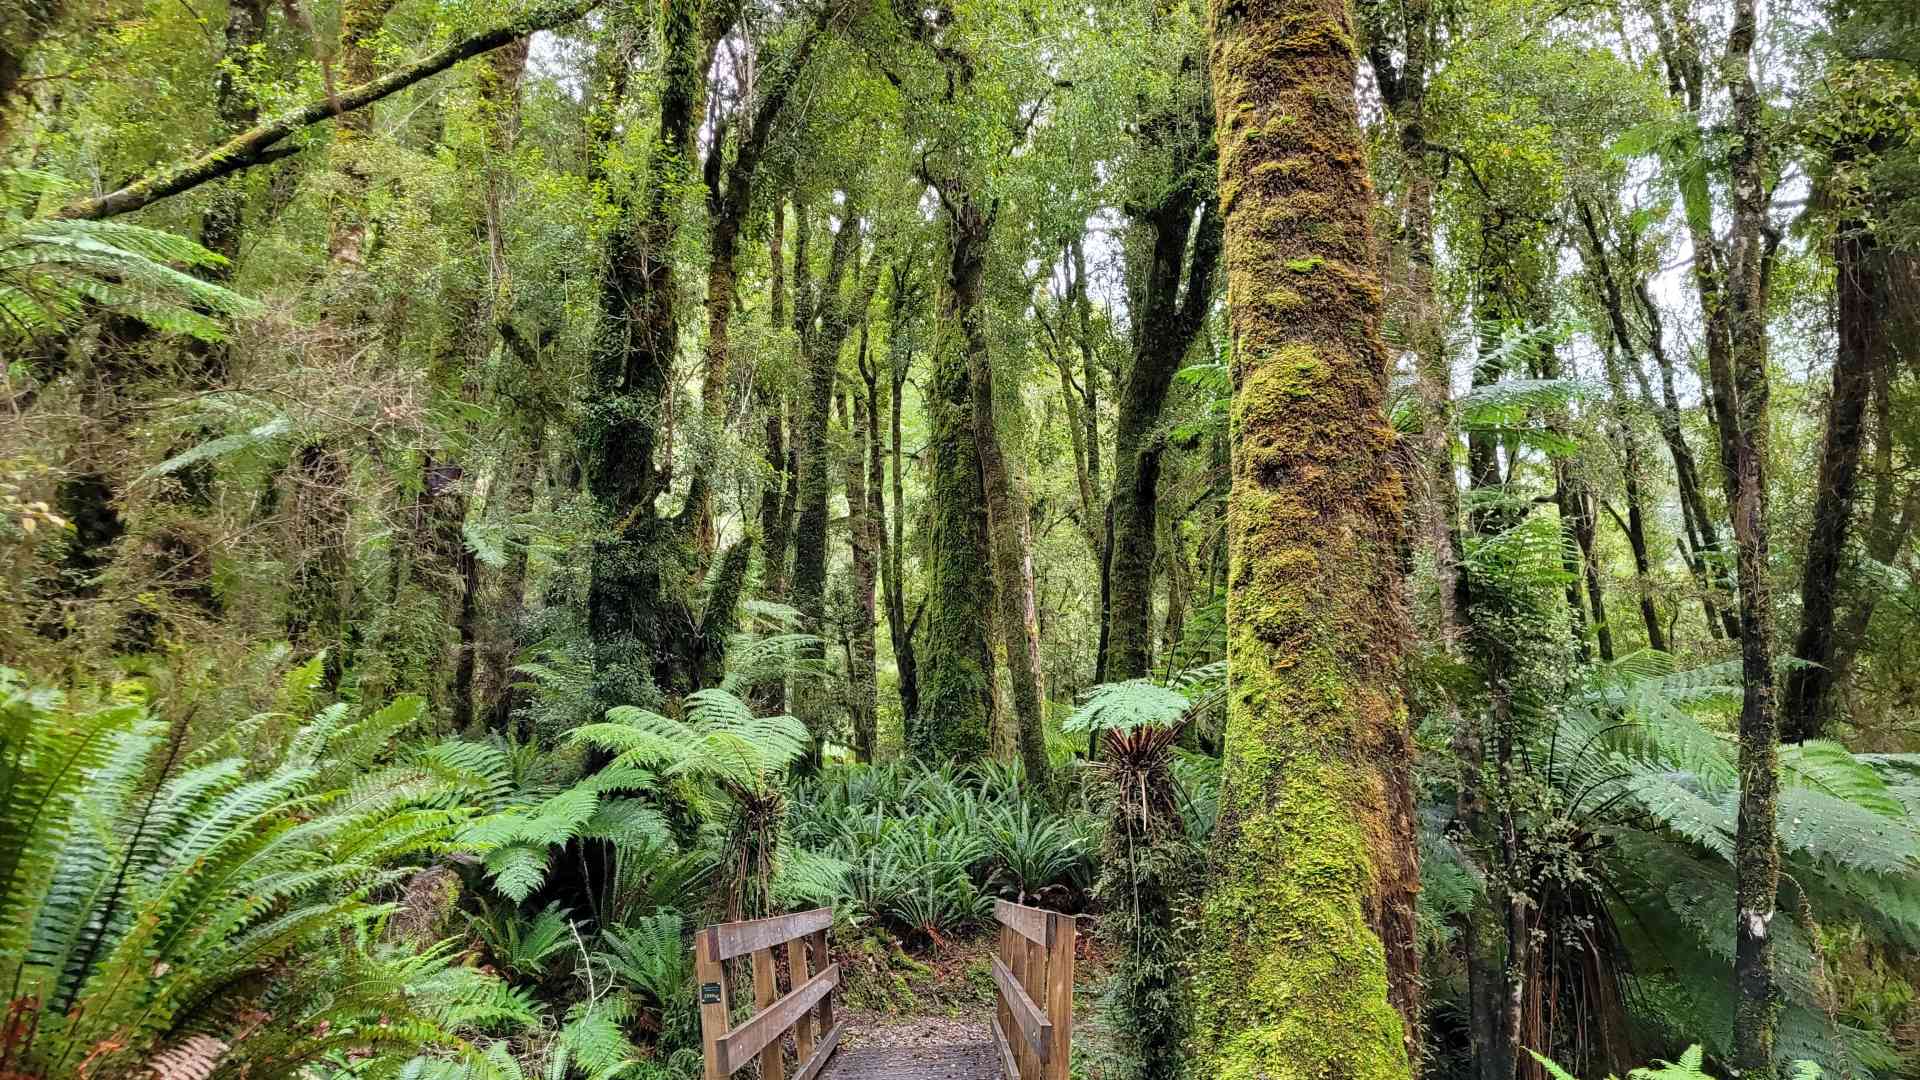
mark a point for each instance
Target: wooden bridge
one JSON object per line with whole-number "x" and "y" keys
{"x": 792, "y": 1031}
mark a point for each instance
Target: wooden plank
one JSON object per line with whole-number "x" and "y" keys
{"x": 796, "y": 976}
{"x": 764, "y": 1029}
{"x": 739, "y": 938}
{"x": 1033, "y": 979}
{"x": 1028, "y": 922}
{"x": 710, "y": 983}
{"x": 772, "y": 1065}
{"x": 1023, "y": 1055}
{"x": 819, "y": 1059}
{"x": 1032, "y": 1022}
{"x": 1002, "y": 1014}
{"x": 1060, "y": 993}
{"x": 1007, "y": 1063}
{"x": 821, "y": 958}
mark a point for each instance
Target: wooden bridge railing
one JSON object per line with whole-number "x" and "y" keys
{"x": 1033, "y": 973}
{"x": 806, "y": 1008}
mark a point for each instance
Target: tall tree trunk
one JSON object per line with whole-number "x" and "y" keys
{"x": 728, "y": 203}
{"x": 1006, "y": 529}
{"x": 1890, "y": 521}
{"x": 321, "y": 594}
{"x": 773, "y": 513}
{"x": 825, "y": 313}
{"x": 1860, "y": 296}
{"x": 1574, "y": 504}
{"x": 893, "y": 552}
{"x": 221, "y": 225}
{"x": 1584, "y": 537}
{"x": 22, "y": 25}
{"x": 639, "y": 617}
{"x": 1741, "y": 392}
{"x": 1307, "y": 925}
{"x": 956, "y": 690}
{"x": 862, "y": 530}
{"x": 1165, "y": 332}
{"x": 1635, "y": 524}
{"x": 501, "y": 700}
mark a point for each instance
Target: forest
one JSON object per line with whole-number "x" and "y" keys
{"x": 1394, "y": 518}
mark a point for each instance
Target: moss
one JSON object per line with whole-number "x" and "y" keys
{"x": 956, "y": 688}
{"x": 1293, "y": 979}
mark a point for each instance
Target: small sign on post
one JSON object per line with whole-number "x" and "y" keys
{"x": 710, "y": 993}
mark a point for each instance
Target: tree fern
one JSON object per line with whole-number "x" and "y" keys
{"x": 1633, "y": 756}
{"x": 721, "y": 740}
{"x": 51, "y": 271}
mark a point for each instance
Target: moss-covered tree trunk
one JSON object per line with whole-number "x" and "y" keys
{"x": 645, "y": 641}
{"x": 233, "y": 102}
{"x": 1893, "y": 513}
{"x": 862, "y": 691}
{"x": 1308, "y": 919}
{"x": 832, "y": 306}
{"x": 22, "y": 24}
{"x": 1011, "y": 588}
{"x": 902, "y": 308}
{"x": 776, "y": 500}
{"x": 1741, "y": 392}
{"x": 956, "y": 686}
{"x": 1166, "y": 329}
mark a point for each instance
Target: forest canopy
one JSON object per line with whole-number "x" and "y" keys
{"x": 1398, "y": 516}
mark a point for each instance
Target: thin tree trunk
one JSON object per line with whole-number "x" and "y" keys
{"x": 1307, "y": 926}
{"x": 862, "y": 536}
{"x": 1584, "y": 536}
{"x": 893, "y": 549}
{"x": 1741, "y": 393}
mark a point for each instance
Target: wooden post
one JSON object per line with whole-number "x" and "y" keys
{"x": 1059, "y": 991}
{"x": 712, "y": 978}
{"x": 765, "y": 992}
{"x": 821, "y": 958}
{"x": 796, "y": 976}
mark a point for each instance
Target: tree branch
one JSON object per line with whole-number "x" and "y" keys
{"x": 256, "y": 145}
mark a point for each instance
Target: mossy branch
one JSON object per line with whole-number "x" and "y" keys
{"x": 257, "y": 145}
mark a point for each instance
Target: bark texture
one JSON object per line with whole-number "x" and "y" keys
{"x": 1314, "y": 862}
{"x": 826, "y": 311}
{"x": 1177, "y": 293}
{"x": 956, "y": 676}
{"x": 1741, "y": 393}
{"x": 1861, "y": 300}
